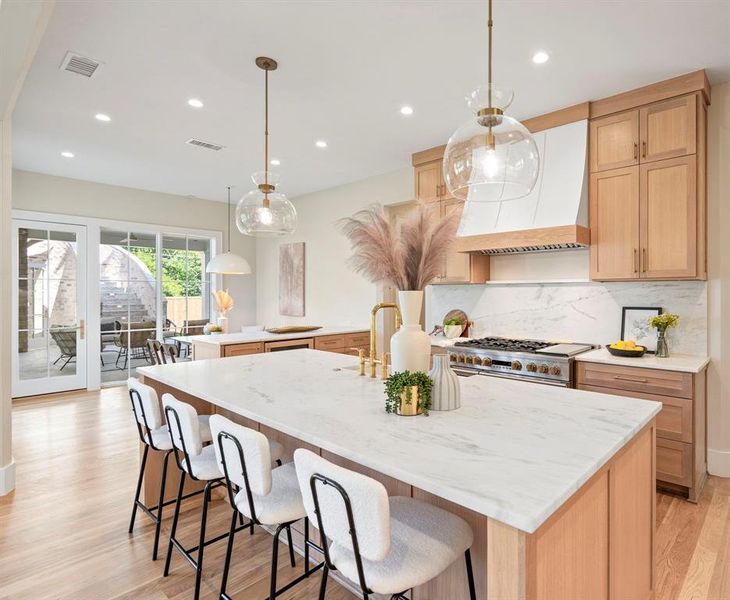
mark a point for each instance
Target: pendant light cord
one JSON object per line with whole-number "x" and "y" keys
{"x": 229, "y": 218}
{"x": 490, "y": 24}
{"x": 266, "y": 129}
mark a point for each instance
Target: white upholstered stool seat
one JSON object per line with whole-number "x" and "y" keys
{"x": 204, "y": 465}
{"x": 424, "y": 541}
{"x": 283, "y": 503}
{"x": 161, "y": 436}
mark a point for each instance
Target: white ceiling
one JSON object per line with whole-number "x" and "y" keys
{"x": 346, "y": 67}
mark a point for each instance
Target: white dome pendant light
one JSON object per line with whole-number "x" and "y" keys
{"x": 228, "y": 263}
{"x": 264, "y": 212}
{"x": 492, "y": 157}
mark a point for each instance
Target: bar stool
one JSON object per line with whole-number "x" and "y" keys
{"x": 267, "y": 496}
{"x": 154, "y": 435}
{"x": 199, "y": 463}
{"x": 386, "y": 545}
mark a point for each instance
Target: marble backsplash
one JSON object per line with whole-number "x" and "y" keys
{"x": 582, "y": 312}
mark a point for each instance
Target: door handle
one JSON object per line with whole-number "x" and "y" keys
{"x": 636, "y": 150}
{"x": 82, "y": 329}
{"x": 636, "y": 260}
{"x": 643, "y": 257}
{"x": 643, "y": 149}
{"x": 632, "y": 379}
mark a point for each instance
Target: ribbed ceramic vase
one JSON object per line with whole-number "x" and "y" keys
{"x": 445, "y": 394}
{"x": 410, "y": 346}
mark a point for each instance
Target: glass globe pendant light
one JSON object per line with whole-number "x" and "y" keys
{"x": 228, "y": 263}
{"x": 265, "y": 212}
{"x": 492, "y": 157}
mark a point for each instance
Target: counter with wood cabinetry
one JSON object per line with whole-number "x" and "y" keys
{"x": 560, "y": 507}
{"x": 679, "y": 383}
{"x": 332, "y": 339}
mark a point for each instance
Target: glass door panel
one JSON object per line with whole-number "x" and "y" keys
{"x": 49, "y": 347}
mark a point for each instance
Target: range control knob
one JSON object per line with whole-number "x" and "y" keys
{"x": 543, "y": 368}
{"x": 486, "y": 361}
{"x": 555, "y": 370}
{"x": 461, "y": 358}
{"x": 516, "y": 365}
{"x": 452, "y": 357}
{"x": 532, "y": 367}
{"x": 476, "y": 360}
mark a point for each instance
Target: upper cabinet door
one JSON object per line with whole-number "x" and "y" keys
{"x": 429, "y": 182}
{"x": 669, "y": 218}
{"x": 669, "y": 128}
{"x": 615, "y": 141}
{"x": 457, "y": 267}
{"x": 614, "y": 213}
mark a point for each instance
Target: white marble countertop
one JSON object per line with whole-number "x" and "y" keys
{"x": 442, "y": 341}
{"x": 224, "y": 339}
{"x": 675, "y": 362}
{"x": 515, "y": 451}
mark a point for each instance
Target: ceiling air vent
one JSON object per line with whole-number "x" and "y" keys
{"x": 202, "y": 144}
{"x": 75, "y": 63}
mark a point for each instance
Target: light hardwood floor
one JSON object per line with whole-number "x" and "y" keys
{"x": 63, "y": 532}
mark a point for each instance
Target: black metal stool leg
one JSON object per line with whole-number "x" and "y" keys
{"x": 323, "y": 583}
{"x": 229, "y": 552}
{"x": 139, "y": 487}
{"x": 201, "y": 547}
{"x": 470, "y": 575}
{"x": 292, "y": 560}
{"x": 274, "y": 563}
{"x": 160, "y": 503}
{"x": 166, "y": 571}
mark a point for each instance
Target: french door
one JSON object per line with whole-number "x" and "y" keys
{"x": 49, "y": 307}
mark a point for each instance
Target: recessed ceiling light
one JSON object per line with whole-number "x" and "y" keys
{"x": 406, "y": 110}
{"x": 540, "y": 57}
{"x": 102, "y": 117}
{"x": 195, "y": 103}
{"x": 67, "y": 154}
{"x": 275, "y": 161}
{"x": 320, "y": 144}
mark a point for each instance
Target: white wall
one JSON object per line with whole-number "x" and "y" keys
{"x": 334, "y": 295}
{"x": 51, "y": 194}
{"x": 718, "y": 171}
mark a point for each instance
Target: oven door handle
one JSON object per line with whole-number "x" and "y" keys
{"x": 554, "y": 383}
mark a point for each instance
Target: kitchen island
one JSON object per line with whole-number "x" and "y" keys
{"x": 557, "y": 484}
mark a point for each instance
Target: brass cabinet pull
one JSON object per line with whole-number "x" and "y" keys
{"x": 636, "y": 260}
{"x": 82, "y": 329}
{"x": 643, "y": 149}
{"x": 636, "y": 150}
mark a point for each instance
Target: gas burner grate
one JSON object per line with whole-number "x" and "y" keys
{"x": 505, "y": 344}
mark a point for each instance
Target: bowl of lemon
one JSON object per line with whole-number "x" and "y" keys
{"x": 627, "y": 348}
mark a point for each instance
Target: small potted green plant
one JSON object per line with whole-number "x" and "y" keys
{"x": 661, "y": 323}
{"x": 453, "y": 328}
{"x": 213, "y": 329}
{"x": 408, "y": 393}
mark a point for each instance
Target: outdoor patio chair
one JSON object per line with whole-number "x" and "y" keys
{"x": 66, "y": 341}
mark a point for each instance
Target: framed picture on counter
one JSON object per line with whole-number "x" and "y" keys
{"x": 635, "y": 325}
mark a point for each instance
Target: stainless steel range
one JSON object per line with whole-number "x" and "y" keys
{"x": 533, "y": 360}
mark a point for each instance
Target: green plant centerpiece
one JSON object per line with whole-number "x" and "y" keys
{"x": 661, "y": 323}
{"x": 408, "y": 393}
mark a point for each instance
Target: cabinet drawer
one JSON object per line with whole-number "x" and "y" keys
{"x": 331, "y": 343}
{"x": 243, "y": 349}
{"x": 674, "y": 422}
{"x": 289, "y": 345}
{"x": 674, "y": 462}
{"x": 636, "y": 379}
{"x": 357, "y": 340}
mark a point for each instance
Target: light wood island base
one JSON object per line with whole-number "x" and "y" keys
{"x": 598, "y": 545}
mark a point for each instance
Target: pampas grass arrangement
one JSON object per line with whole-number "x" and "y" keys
{"x": 409, "y": 260}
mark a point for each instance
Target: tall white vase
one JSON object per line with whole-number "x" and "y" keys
{"x": 410, "y": 346}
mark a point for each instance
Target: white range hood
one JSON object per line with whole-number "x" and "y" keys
{"x": 554, "y": 216}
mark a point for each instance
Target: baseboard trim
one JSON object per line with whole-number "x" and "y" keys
{"x": 7, "y": 478}
{"x": 718, "y": 462}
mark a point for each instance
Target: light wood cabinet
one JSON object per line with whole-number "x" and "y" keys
{"x": 648, "y": 218}
{"x": 681, "y": 453}
{"x": 431, "y": 190}
{"x": 243, "y": 349}
{"x": 668, "y": 128}
{"x": 615, "y": 141}
{"x": 614, "y": 210}
{"x": 668, "y": 201}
